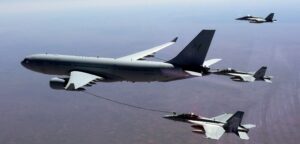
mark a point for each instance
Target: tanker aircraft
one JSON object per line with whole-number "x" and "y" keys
{"x": 74, "y": 73}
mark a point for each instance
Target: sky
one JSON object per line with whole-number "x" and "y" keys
{"x": 31, "y": 112}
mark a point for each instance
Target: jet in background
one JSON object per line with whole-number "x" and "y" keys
{"x": 215, "y": 127}
{"x": 253, "y": 19}
{"x": 246, "y": 76}
{"x": 76, "y": 72}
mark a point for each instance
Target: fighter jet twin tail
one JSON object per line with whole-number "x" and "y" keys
{"x": 78, "y": 72}
{"x": 215, "y": 127}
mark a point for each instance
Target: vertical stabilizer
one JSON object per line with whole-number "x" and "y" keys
{"x": 195, "y": 52}
{"x": 234, "y": 122}
{"x": 270, "y": 17}
{"x": 260, "y": 73}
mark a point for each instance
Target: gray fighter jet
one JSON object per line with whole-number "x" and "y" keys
{"x": 78, "y": 71}
{"x": 253, "y": 19}
{"x": 246, "y": 76}
{"x": 215, "y": 127}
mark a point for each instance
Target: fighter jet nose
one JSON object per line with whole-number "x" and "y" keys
{"x": 25, "y": 62}
{"x": 169, "y": 117}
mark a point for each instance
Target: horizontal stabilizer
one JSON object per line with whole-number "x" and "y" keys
{"x": 243, "y": 135}
{"x": 192, "y": 73}
{"x": 210, "y": 62}
{"x": 267, "y": 80}
{"x": 213, "y": 131}
{"x": 249, "y": 126}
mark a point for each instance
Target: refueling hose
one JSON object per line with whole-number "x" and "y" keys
{"x": 126, "y": 104}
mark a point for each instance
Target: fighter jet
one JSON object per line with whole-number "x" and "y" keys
{"x": 214, "y": 128}
{"x": 253, "y": 19}
{"x": 246, "y": 76}
{"x": 76, "y": 72}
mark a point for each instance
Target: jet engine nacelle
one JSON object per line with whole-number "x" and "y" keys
{"x": 199, "y": 129}
{"x": 236, "y": 78}
{"x": 60, "y": 83}
{"x": 256, "y": 21}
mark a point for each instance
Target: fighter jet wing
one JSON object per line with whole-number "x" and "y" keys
{"x": 244, "y": 77}
{"x": 147, "y": 53}
{"x": 256, "y": 20}
{"x": 211, "y": 131}
{"x": 79, "y": 79}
